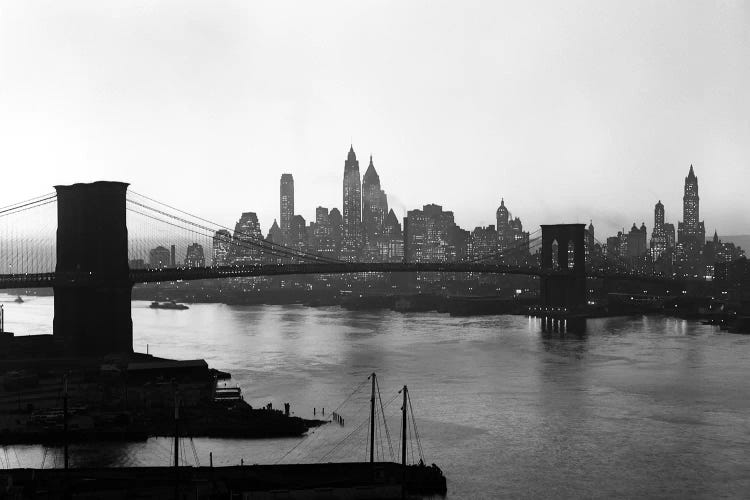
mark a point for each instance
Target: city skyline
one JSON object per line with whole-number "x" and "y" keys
{"x": 352, "y": 166}
{"x": 598, "y": 98}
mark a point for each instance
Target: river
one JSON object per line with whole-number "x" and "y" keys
{"x": 642, "y": 406}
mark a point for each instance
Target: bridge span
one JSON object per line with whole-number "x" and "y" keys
{"x": 170, "y": 274}
{"x": 92, "y": 281}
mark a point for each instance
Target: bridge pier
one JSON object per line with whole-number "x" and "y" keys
{"x": 92, "y": 284}
{"x": 563, "y": 285}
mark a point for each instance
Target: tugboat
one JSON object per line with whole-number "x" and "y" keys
{"x": 169, "y": 304}
{"x": 18, "y": 300}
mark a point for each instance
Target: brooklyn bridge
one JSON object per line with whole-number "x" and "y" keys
{"x": 83, "y": 255}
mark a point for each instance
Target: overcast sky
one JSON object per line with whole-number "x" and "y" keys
{"x": 569, "y": 110}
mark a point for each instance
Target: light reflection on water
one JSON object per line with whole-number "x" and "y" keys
{"x": 638, "y": 406}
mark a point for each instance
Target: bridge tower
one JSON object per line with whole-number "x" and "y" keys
{"x": 568, "y": 288}
{"x": 92, "y": 283}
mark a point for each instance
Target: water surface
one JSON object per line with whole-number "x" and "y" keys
{"x": 639, "y": 406}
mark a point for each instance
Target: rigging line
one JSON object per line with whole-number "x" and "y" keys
{"x": 334, "y": 411}
{"x": 276, "y": 252}
{"x": 214, "y": 223}
{"x": 385, "y": 422}
{"x": 242, "y": 243}
{"x": 366, "y": 420}
{"x": 30, "y": 200}
{"x": 6, "y": 213}
{"x": 261, "y": 242}
{"x": 361, "y": 424}
{"x": 411, "y": 445}
{"x": 352, "y": 394}
{"x": 416, "y": 431}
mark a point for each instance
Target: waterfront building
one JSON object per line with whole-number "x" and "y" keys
{"x": 321, "y": 239}
{"x": 275, "y": 237}
{"x": 274, "y": 233}
{"x": 297, "y": 237}
{"x": 221, "y": 246}
{"x": 637, "y": 241}
{"x": 427, "y": 235}
{"x": 717, "y": 252}
{"x": 286, "y": 202}
{"x": 502, "y": 216}
{"x": 392, "y": 243}
{"x": 483, "y": 244}
{"x": 352, "y": 213}
{"x": 589, "y": 241}
{"x": 137, "y": 264}
{"x": 670, "y": 232}
{"x": 194, "y": 256}
{"x": 159, "y": 257}
{"x": 246, "y": 245}
{"x": 613, "y": 247}
{"x": 512, "y": 242}
{"x": 336, "y": 221}
{"x": 623, "y": 236}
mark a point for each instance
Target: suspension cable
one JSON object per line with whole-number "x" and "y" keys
{"x": 262, "y": 241}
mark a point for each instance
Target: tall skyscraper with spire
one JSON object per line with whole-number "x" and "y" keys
{"x": 352, "y": 216}
{"x": 286, "y": 203}
{"x": 374, "y": 210}
{"x": 691, "y": 231}
{"x": 659, "y": 241}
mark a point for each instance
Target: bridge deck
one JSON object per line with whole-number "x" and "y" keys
{"x": 44, "y": 280}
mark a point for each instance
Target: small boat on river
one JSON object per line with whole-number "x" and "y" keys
{"x": 18, "y": 300}
{"x": 169, "y": 304}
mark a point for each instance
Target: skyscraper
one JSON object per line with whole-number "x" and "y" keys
{"x": 374, "y": 210}
{"x": 194, "y": 256}
{"x": 427, "y": 235}
{"x": 637, "y": 241}
{"x": 658, "y": 235}
{"x": 503, "y": 228}
{"x": 247, "y": 238}
{"x": 222, "y": 243}
{"x": 286, "y": 202}
{"x": 392, "y": 245}
{"x": 691, "y": 231}
{"x": 511, "y": 240}
{"x": 352, "y": 216}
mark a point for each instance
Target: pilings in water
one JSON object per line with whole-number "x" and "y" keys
{"x": 559, "y": 319}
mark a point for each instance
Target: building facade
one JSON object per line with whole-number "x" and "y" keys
{"x": 352, "y": 213}
{"x": 286, "y": 202}
{"x": 221, "y": 246}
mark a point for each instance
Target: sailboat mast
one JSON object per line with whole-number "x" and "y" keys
{"x": 65, "y": 422}
{"x": 176, "y": 431}
{"x": 403, "y": 428}
{"x": 372, "y": 421}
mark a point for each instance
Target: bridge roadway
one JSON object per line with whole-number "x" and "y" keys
{"x": 44, "y": 280}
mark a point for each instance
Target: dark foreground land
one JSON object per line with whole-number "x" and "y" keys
{"x": 380, "y": 480}
{"x": 130, "y": 398}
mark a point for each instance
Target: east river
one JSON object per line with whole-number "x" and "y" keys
{"x": 638, "y": 407}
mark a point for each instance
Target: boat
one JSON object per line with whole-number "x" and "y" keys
{"x": 18, "y": 300}
{"x": 169, "y": 304}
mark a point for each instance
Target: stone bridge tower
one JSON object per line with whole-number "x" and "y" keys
{"x": 566, "y": 285}
{"x": 92, "y": 281}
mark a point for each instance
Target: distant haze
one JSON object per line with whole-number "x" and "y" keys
{"x": 570, "y": 110}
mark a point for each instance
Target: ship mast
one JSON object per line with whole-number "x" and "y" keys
{"x": 372, "y": 420}
{"x": 65, "y": 422}
{"x": 403, "y": 428}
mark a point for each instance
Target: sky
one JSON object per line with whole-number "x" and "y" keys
{"x": 570, "y": 111}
